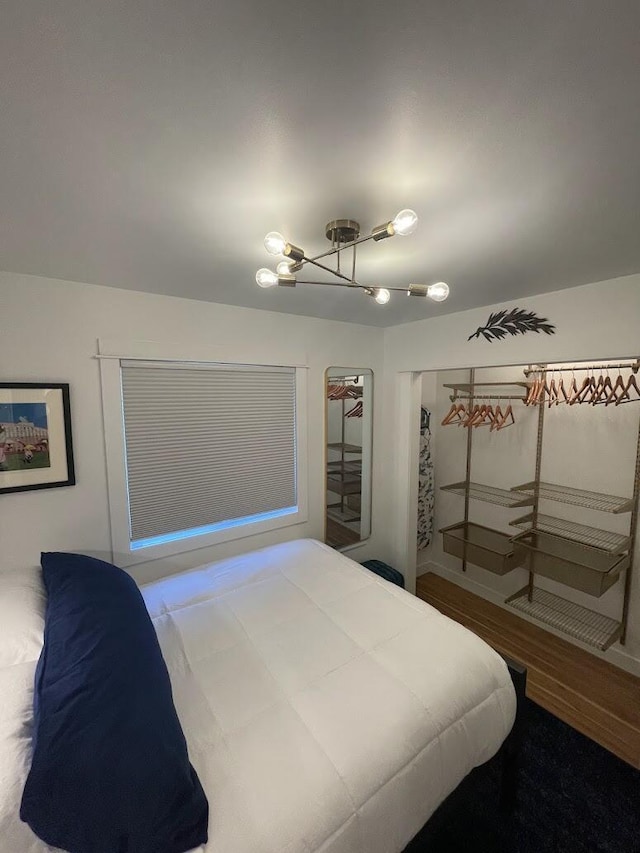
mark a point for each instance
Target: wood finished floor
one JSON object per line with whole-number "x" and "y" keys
{"x": 338, "y": 535}
{"x": 596, "y": 698}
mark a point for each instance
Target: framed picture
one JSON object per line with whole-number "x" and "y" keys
{"x": 35, "y": 436}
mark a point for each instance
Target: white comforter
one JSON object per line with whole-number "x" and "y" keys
{"x": 325, "y": 710}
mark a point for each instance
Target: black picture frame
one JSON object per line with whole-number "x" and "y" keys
{"x": 57, "y": 447}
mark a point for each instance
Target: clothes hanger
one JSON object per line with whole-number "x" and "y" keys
{"x": 508, "y": 413}
{"x": 602, "y": 393}
{"x": 486, "y": 416}
{"x": 340, "y": 392}
{"x": 472, "y": 416}
{"x": 528, "y": 400}
{"x": 454, "y": 415}
{"x": 573, "y": 388}
{"x": 599, "y": 389}
{"x": 575, "y": 397}
{"x": 552, "y": 391}
{"x": 498, "y": 416}
{"x": 534, "y": 390}
{"x": 540, "y": 389}
{"x": 561, "y": 391}
{"x": 449, "y": 416}
{"x": 585, "y": 391}
{"x": 557, "y": 389}
{"x": 631, "y": 383}
{"x": 501, "y": 417}
{"x": 618, "y": 385}
{"x": 595, "y": 386}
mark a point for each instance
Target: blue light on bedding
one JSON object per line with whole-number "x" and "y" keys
{"x": 110, "y": 771}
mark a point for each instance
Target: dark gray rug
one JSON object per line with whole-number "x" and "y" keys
{"x": 573, "y": 797}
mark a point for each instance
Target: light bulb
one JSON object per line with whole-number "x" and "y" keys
{"x": 405, "y": 222}
{"x": 438, "y": 291}
{"x": 381, "y": 295}
{"x": 274, "y": 243}
{"x": 266, "y": 278}
{"x": 284, "y": 268}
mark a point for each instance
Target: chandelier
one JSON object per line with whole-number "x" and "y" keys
{"x": 344, "y": 235}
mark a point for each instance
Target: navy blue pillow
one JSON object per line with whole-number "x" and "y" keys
{"x": 110, "y": 771}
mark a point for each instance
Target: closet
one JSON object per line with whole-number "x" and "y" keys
{"x": 544, "y": 508}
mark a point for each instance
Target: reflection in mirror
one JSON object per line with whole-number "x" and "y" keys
{"x": 349, "y": 418}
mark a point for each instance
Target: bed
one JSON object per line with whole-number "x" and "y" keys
{"x": 325, "y": 710}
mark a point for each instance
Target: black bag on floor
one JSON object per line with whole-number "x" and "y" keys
{"x": 385, "y": 571}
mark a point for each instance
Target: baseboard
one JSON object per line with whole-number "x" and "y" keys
{"x": 615, "y": 655}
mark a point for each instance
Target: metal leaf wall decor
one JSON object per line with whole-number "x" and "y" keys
{"x": 514, "y": 322}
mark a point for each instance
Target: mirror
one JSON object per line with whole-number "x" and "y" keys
{"x": 349, "y": 435}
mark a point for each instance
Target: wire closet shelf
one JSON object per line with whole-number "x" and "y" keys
{"x": 589, "y": 559}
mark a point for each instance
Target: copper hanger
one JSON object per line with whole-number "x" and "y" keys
{"x": 528, "y": 400}
{"x": 561, "y": 391}
{"x": 534, "y": 390}
{"x": 584, "y": 392}
{"x": 454, "y": 415}
{"x": 578, "y": 392}
{"x": 341, "y": 392}
{"x": 475, "y": 414}
{"x": 602, "y": 394}
{"x": 505, "y": 422}
{"x": 618, "y": 385}
{"x": 596, "y": 385}
{"x": 472, "y": 416}
{"x": 573, "y": 388}
{"x": 631, "y": 383}
{"x": 551, "y": 390}
{"x": 485, "y": 417}
{"x": 501, "y": 418}
{"x": 598, "y": 389}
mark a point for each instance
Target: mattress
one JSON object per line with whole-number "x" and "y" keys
{"x": 325, "y": 709}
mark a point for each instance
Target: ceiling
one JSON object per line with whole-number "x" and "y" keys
{"x": 151, "y": 145}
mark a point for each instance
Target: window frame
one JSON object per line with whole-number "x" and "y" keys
{"x": 126, "y": 552}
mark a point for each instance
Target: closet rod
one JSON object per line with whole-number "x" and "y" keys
{"x": 514, "y": 397}
{"x": 633, "y": 365}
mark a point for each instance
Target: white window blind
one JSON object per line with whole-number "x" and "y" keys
{"x": 207, "y": 445}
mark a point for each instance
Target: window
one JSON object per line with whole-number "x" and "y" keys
{"x": 206, "y": 453}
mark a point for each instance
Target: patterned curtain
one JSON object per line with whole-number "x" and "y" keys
{"x": 426, "y": 493}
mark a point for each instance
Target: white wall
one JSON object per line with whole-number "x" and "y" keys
{"x": 49, "y": 331}
{"x": 598, "y": 321}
